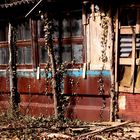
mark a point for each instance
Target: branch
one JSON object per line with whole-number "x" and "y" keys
{"x": 110, "y": 128}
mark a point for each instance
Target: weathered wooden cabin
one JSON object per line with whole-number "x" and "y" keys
{"x": 99, "y": 40}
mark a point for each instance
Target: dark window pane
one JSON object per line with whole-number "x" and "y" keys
{"x": 4, "y": 55}
{"x": 23, "y": 31}
{"x": 66, "y": 53}
{"x": 76, "y": 27}
{"x": 20, "y": 56}
{"x": 66, "y": 28}
{"x": 56, "y": 52}
{"x": 3, "y": 32}
{"x": 6, "y": 59}
{"x": 40, "y": 29}
{"x": 77, "y": 52}
{"x": 43, "y": 54}
{"x": 26, "y": 31}
{"x": 56, "y": 29}
{"x": 28, "y": 55}
{"x": 128, "y": 17}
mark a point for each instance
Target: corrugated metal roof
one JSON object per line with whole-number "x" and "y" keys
{"x": 17, "y": 3}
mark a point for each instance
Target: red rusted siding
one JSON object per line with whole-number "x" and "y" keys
{"x": 86, "y": 86}
{"x": 85, "y": 101}
{"x": 132, "y": 107}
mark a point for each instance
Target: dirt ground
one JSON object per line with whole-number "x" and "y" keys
{"x": 30, "y": 128}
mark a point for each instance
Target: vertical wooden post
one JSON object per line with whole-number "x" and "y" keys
{"x": 112, "y": 90}
{"x": 34, "y": 43}
{"x": 116, "y": 52}
{"x": 84, "y": 23}
{"x": 12, "y": 67}
{"x": 115, "y": 97}
{"x": 133, "y": 65}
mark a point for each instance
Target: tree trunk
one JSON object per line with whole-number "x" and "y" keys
{"x": 12, "y": 73}
{"x": 48, "y": 28}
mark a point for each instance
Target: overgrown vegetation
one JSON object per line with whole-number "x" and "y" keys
{"x": 30, "y": 128}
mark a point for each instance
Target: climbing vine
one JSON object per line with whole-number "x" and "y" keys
{"x": 12, "y": 70}
{"x": 55, "y": 72}
{"x": 103, "y": 58}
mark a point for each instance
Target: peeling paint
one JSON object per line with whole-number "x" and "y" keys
{"x": 122, "y": 102}
{"x": 75, "y": 73}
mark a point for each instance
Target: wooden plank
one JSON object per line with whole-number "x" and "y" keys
{"x": 138, "y": 61}
{"x": 93, "y": 12}
{"x": 133, "y": 66}
{"x": 116, "y": 52}
{"x": 127, "y": 30}
{"x": 138, "y": 22}
{"x": 129, "y": 90}
{"x": 125, "y": 89}
{"x": 125, "y": 61}
{"x": 35, "y": 50}
{"x": 128, "y": 61}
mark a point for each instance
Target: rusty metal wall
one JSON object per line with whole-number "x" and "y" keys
{"x": 85, "y": 101}
{"x": 129, "y": 106}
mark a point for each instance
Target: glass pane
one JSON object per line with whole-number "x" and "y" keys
{"x": 56, "y": 28}
{"x": 76, "y": 27}
{"x": 126, "y": 46}
{"x": 28, "y": 55}
{"x": 1, "y": 56}
{"x": 66, "y": 28}
{"x": 4, "y": 55}
{"x": 26, "y": 31}
{"x": 3, "y": 32}
{"x": 66, "y": 53}
{"x": 6, "y": 59}
{"x": 77, "y": 52}
{"x": 20, "y": 56}
{"x": 128, "y": 17}
{"x": 23, "y": 31}
{"x": 19, "y": 32}
{"x": 40, "y": 29}
{"x": 43, "y": 54}
{"x": 56, "y": 52}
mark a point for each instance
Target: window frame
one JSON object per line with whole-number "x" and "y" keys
{"x": 133, "y": 61}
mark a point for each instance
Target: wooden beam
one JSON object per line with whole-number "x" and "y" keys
{"x": 133, "y": 66}
{"x": 35, "y": 56}
{"x": 116, "y": 51}
{"x": 138, "y": 22}
{"x": 127, "y": 30}
{"x": 125, "y": 61}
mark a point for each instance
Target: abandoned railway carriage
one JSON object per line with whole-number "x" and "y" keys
{"x": 96, "y": 42}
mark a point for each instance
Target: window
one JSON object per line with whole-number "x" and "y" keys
{"x": 23, "y": 44}
{"x": 72, "y": 47}
{"x": 4, "y": 51}
{"x": 24, "y": 51}
{"x": 129, "y": 50}
{"x": 24, "y": 55}
{"x": 30, "y": 43}
{"x": 68, "y": 42}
